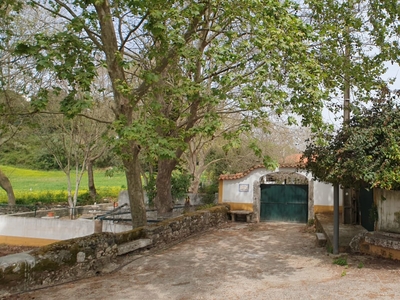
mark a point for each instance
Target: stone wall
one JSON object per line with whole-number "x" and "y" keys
{"x": 87, "y": 256}
{"x": 381, "y": 244}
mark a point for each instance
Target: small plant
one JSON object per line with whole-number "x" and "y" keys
{"x": 311, "y": 222}
{"x": 340, "y": 261}
{"x": 343, "y": 273}
{"x": 360, "y": 265}
{"x": 205, "y": 206}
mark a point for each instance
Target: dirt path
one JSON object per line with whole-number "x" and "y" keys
{"x": 239, "y": 261}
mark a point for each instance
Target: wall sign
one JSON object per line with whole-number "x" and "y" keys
{"x": 243, "y": 187}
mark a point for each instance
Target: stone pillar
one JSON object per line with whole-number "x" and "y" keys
{"x": 256, "y": 201}
{"x": 98, "y": 226}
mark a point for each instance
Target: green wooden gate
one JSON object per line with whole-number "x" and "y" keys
{"x": 284, "y": 202}
{"x": 366, "y": 206}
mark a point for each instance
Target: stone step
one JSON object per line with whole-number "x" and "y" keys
{"x": 134, "y": 245}
{"x": 321, "y": 239}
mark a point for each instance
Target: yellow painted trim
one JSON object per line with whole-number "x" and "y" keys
{"x": 240, "y": 206}
{"x": 220, "y": 191}
{"x": 24, "y": 241}
{"x": 380, "y": 251}
{"x": 325, "y": 209}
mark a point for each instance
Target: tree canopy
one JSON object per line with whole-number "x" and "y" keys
{"x": 364, "y": 153}
{"x": 176, "y": 67}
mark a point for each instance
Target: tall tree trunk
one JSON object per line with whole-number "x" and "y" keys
{"x": 194, "y": 185}
{"x": 130, "y": 159}
{"x": 5, "y": 184}
{"x": 163, "y": 200}
{"x": 91, "y": 186}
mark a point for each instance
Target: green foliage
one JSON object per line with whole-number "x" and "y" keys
{"x": 205, "y": 206}
{"x": 360, "y": 265}
{"x": 340, "y": 261}
{"x": 60, "y": 197}
{"x": 346, "y": 30}
{"x": 209, "y": 192}
{"x": 180, "y": 183}
{"x": 364, "y": 153}
{"x": 31, "y": 186}
{"x": 150, "y": 188}
{"x": 73, "y": 64}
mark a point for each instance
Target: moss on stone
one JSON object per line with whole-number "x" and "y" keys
{"x": 46, "y": 265}
{"x": 218, "y": 209}
{"x": 10, "y": 277}
{"x": 134, "y": 234}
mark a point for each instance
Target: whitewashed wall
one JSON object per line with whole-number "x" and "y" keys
{"x": 323, "y": 194}
{"x": 52, "y": 229}
{"x": 231, "y": 192}
{"x": 388, "y": 206}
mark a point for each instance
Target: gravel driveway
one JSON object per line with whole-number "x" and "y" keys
{"x": 239, "y": 261}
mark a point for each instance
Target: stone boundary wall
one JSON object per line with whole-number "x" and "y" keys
{"x": 95, "y": 254}
{"x": 380, "y": 244}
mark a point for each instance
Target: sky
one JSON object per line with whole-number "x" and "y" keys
{"x": 393, "y": 71}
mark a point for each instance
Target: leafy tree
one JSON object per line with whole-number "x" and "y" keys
{"x": 365, "y": 152}
{"x": 11, "y": 122}
{"x": 238, "y": 63}
{"x": 356, "y": 37}
{"x": 15, "y": 79}
{"x": 171, "y": 63}
{"x": 75, "y": 143}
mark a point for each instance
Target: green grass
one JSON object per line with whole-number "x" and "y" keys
{"x": 32, "y": 185}
{"x": 340, "y": 261}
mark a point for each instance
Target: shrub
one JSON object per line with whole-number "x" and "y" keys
{"x": 340, "y": 261}
{"x": 209, "y": 193}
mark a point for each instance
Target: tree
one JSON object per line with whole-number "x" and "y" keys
{"x": 238, "y": 63}
{"x": 160, "y": 54}
{"x": 74, "y": 142}
{"x": 356, "y": 37}
{"x": 365, "y": 152}
{"x": 13, "y": 118}
{"x": 15, "y": 78}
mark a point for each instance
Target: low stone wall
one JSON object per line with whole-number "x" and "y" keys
{"x": 181, "y": 227}
{"x": 381, "y": 244}
{"x": 87, "y": 256}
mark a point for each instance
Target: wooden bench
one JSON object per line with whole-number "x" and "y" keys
{"x": 247, "y": 213}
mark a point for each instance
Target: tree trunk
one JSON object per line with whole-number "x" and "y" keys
{"x": 5, "y": 184}
{"x": 163, "y": 200}
{"x": 130, "y": 159}
{"x": 194, "y": 185}
{"x": 91, "y": 186}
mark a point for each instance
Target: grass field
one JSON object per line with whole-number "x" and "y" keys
{"x": 33, "y": 185}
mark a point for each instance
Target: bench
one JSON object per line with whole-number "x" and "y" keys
{"x": 247, "y": 213}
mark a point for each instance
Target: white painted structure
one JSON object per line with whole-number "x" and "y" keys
{"x": 242, "y": 191}
{"x": 47, "y": 230}
{"x": 388, "y": 208}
